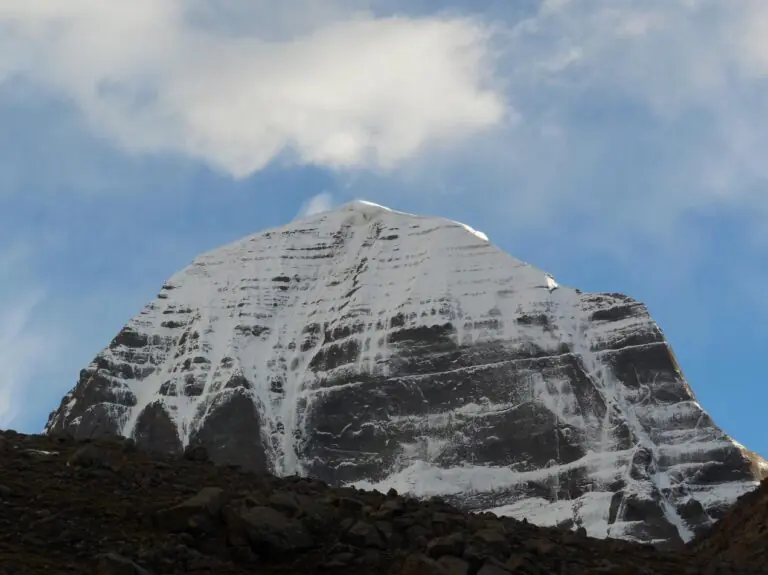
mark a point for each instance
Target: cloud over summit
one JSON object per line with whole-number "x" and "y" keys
{"x": 343, "y": 89}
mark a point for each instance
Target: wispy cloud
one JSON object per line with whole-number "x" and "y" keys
{"x": 23, "y": 344}
{"x": 333, "y": 86}
{"x": 321, "y": 202}
{"x": 686, "y": 74}
{"x": 21, "y": 350}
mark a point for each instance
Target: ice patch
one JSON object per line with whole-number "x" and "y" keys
{"x": 372, "y": 205}
{"x": 421, "y": 479}
{"x": 473, "y": 231}
{"x": 551, "y": 283}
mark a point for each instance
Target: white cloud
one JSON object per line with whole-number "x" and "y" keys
{"x": 240, "y": 84}
{"x": 22, "y": 344}
{"x": 322, "y": 202}
{"x": 668, "y": 58}
{"x": 32, "y": 342}
{"x": 21, "y": 350}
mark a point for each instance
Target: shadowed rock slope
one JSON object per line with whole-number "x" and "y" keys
{"x": 103, "y": 507}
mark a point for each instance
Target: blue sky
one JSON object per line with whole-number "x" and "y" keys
{"x": 617, "y": 145}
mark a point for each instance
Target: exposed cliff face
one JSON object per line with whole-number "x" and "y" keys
{"x": 383, "y": 349}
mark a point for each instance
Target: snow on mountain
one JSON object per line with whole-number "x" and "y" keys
{"x": 370, "y": 347}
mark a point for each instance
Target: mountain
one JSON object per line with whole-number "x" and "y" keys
{"x": 369, "y": 347}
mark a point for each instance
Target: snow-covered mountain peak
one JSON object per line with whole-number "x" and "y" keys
{"x": 359, "y": 212}
{"x": 364, "y": 206}
{"x": 368, "y": 346}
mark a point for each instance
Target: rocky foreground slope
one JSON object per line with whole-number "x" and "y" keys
{"x": 373, "y": 348}
{"x": 106, "y": 508}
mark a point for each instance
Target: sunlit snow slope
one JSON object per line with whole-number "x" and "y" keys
{"x": 378, "y": 348}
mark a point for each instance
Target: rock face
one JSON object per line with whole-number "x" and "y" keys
{"x": 369, "y": 347}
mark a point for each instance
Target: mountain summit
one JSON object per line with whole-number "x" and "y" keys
{"x": 371, "y": 347}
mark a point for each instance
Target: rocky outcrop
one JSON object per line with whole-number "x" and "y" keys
{"x": 378, "y": 349}
{"x": 741, "y": 535}
{"x": 108, "y": 508}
